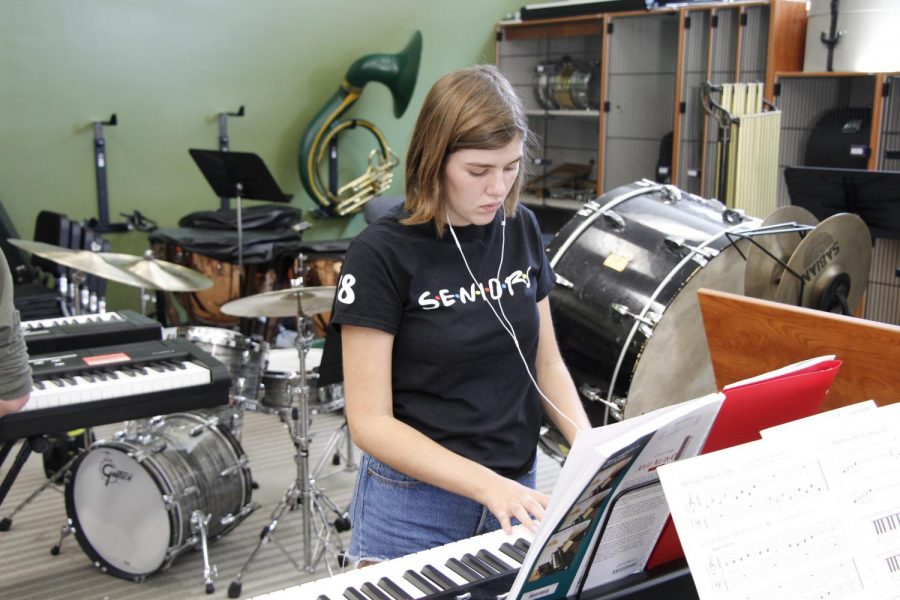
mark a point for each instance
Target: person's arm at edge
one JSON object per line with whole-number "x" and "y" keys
{"x": 13, "y": 405}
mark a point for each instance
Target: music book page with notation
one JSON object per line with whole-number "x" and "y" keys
{"x": 810, "y": 511}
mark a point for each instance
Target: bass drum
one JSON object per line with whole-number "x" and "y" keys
{"x": 131, "y": 501}
{"x": 625, "y": 308}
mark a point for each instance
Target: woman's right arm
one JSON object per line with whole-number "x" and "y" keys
{"x": 369, "y": 408}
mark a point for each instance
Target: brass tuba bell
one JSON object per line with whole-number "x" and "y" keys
{"x": 398, "y": 72}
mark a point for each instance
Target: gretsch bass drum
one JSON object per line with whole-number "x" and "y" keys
{"x": 628, "y": 267}
{"x": 133, "y": 503}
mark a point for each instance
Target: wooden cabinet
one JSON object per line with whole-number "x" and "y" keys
{"x": 643, "y": 72}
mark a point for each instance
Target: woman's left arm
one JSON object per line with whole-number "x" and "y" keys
{"x": 555, "y": 381}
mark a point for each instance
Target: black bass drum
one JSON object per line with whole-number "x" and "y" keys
{"x": 628, "y": 266}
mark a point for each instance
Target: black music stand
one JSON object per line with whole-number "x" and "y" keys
{"x": 242, "y": 176}
{"x": 873, "y": 195}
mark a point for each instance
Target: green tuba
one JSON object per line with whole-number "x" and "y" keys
{"x": 398, "y": 72}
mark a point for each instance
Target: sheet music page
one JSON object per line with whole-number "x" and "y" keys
{"x": 809, "y": 516}
{"x": 797, "y": 427}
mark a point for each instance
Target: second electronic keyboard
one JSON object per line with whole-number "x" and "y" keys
{"x": 96, "y": 386}
{"x": 483, "y": 567}
{"x": 43, "y": 336}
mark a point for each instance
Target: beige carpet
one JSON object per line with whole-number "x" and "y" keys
{"x": 29, "y": 571}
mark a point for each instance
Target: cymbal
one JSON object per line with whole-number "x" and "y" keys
{"x": 160, "y": 274}
{"x": 288, "y": 302}
{"x": 85, "y": 261}
{"x": 763, "y": 272}
{"x": 833, "y": 259}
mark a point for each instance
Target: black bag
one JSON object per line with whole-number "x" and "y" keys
{"x": 259, "y": 246}
{"x": 840, "y": 139}
{"x": 266, "y": 217}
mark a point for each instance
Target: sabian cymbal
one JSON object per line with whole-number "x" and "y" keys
{"x": 283, "y": 303}
{"x": 833, "y": 260}
{"x": 763, "y": 271}
{"x": 80, "y": 260}
{"x": 160, "y": 274}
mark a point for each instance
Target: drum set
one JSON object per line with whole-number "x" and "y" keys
{"x": 165, "y": 485}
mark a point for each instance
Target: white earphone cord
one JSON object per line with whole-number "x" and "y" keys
{"x": 505, "y": 323}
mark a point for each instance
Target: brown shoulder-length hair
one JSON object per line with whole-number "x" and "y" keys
{"x": 472, "y": 108}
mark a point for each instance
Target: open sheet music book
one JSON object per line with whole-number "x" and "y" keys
{"x": 608, "y": 513}
{"x": 812, "y": 510}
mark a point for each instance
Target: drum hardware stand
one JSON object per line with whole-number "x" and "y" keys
{"x": 199, "y": 521}
{"x": 780, "y": 228}
{"x": 199, "y": 526}
{"x": 340, "y": 437}
{"x": 224, "y": 203}
{"x": 102, "y": 225}
{"x": 775, "y": 229}
{"x": 303, "y": 492}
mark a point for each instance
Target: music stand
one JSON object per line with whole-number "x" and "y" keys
{"x": 873, "y": 195}
{"x": 243, "y": 176}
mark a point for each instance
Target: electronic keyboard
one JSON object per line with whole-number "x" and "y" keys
{"x": 483, "y": 567}
{"x": 96, "y": 386}
{"x": 426, "y": 574}
{"x": 43, "y": 336}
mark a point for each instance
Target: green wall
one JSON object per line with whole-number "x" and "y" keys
{"x": 167, "y": 68}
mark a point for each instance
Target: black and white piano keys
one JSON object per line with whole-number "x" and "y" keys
{"x": 114, "y": 382}
{"x": 429, "y": 574}
{"x": 98, "y": 386}
{"x": 57, "y": 334}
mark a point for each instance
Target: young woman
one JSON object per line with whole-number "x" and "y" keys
{"x": 448, "y": 347}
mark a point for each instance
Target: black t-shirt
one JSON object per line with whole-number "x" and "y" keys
{"x": 457, "y": 376}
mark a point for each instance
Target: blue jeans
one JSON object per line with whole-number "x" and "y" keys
{"x": 393, "y": 514}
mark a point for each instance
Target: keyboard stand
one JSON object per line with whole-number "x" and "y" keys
{"x": 6, "y": 522}
{"x": 36, "y": 443}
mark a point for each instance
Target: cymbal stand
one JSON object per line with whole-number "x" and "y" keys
{"x": 78, "y": 279}
{"x": 302, "y": 493}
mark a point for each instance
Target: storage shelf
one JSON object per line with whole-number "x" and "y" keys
{"x": 564, "y": 112}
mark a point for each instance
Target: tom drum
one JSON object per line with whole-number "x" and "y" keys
{"x": 282, "y": 376}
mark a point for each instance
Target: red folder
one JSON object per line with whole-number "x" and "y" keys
{"x": 749, "y": 407}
